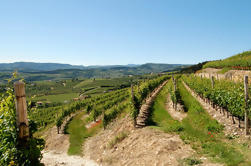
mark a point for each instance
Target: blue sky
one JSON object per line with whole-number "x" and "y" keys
{"x": 105, "y": 32}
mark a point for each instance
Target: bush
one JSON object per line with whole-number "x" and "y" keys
{"x": 11, "y": 151}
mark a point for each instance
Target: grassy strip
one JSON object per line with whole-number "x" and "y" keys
{"x": 205, "y": 134}
{"x": 160, "y": 118}
{"x": 198, "y": 128}
{"x": 78, "y": 133}
{"x": 118, "y": 138}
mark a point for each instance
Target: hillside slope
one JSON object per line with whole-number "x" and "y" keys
{"x": 239, "y": 61}
{"x": 68, "y": 72}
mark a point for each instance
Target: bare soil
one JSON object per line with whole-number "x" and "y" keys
{"x": 56, "y": 147}
{"x": 144, "y": 146}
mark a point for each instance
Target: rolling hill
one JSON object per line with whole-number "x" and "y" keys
{"x": 54, "y": 71}
{"x": 238, "y": 61}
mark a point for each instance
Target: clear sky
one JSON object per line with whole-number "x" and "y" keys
{"x": 103, "y": 32}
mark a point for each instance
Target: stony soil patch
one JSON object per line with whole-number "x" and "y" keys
{"x": 178, "y": 114}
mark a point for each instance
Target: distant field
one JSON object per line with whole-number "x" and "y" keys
{"x": 66, "y": 90}
{"x": 58, "y": 98}
{"x": 104, "y": 82}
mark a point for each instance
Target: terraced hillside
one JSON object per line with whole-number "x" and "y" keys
{"x": 239, "y": 61}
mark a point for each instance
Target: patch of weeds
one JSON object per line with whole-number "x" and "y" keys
{"x": 245, "y": 145}
{"x": 120, "y": 137}
{"x": 214, "y": 126}
{"x": 223, "y": 153}
{"x": 231, "y": 137}
{"x": 191, "y": 161}
{"x": 174, "y": 128}
{"x": 67, "y": 126}
{"x": 224, "y": 70}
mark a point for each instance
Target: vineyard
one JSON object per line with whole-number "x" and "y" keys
{"x": 84, "y": 119}
{"x": 225, "y": 95}
{"x": 141, "y": 92}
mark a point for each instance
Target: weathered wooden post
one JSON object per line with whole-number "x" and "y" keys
{"x": 104, "y": 119}
{"x": 132, "y": 94}
{"x": 21, "y": 111}
{"x": 132, "y": 91}
{"x": 246, "y": 104}
{"x": 174, "y": 85}
{"x": 212, "y": 80}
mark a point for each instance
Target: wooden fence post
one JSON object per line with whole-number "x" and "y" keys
{"x": 21, "y": 111}
{"x": 246, "y": 105}
{"x": 132, "y": 91}
{"x": 132, "y": 94}
{"x": 212, "y": 80}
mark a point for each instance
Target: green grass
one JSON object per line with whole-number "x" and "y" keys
{"x": 118, "y": 138}
{"x": 195, "y": 128}
{"x": 160, "y": 117}
{"x": 191, "y": 161}
{"x": 224, "y": 70}
{"x": 78, "y": 133}
{"x": 242, "y": 59}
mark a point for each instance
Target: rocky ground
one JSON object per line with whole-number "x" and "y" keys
{"x": 178, "y": 114}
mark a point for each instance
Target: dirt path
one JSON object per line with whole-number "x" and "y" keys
{"x": 230, "y": 128}
{"x": 177, "y": 115}
{"x": 56, "y": 159}
{"x": 55, "y": 152}
{"x": 144, "y": 110}
{"x": 144, "y": 146}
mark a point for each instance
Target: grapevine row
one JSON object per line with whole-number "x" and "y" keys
{"x": 141, "y": 92}
{"x": 106, "y": 101}
{"x": 225, "y": 94}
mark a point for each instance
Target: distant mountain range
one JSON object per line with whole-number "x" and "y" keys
{"x": 39, "y": 67}
{"x": 32, "y": 66}
{"x": 54, "y": 71}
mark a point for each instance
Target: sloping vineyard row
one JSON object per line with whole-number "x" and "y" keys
{"x": 141, "y": 92}
{"x": 97, "y": 109}
{"x": 92, "y": 105}
{"x": 46, "y": 116}
{"x": 225, "y": 94}
{"x": 112, "y": 113}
